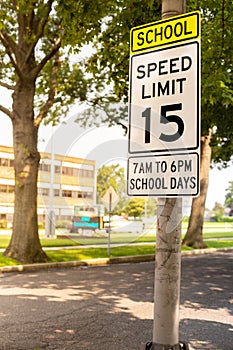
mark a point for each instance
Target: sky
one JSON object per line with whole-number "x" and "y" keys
{"x": 106, "y": 146}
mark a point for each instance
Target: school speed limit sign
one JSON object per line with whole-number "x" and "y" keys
{"x": 164, "y": 98}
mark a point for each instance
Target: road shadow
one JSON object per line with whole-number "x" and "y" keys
{"x": 106, "y": 308}
{"x": 206, "y": 282}
{"x": 207, "y": 335}
{"x": 111, "y": 307}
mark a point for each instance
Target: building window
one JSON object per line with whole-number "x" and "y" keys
{"x": 56, "y": 193}
{"x": 74, "y": 194}
{"x": 7, "y": 188}
{"x": 66, "y": 193}
{"x": 77, "y": 172}
{"x": 77, "y": 194}
{"x": 67, "y": 171}
{"x": 11, "y": 189}
{"x": 44, "y": 192}
{"x": 86, "y": 173}
{"x": 3, "y": 188}
{"x": 45, "y": 167}
{"x": 87, "y": 195}
{"x": 4, "y": 162}
{"x": 57, "y": 169}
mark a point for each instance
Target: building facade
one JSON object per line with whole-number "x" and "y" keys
{"x": 63, "y": 182}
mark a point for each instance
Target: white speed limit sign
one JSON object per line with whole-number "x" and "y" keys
{"x": 164, "y": 100}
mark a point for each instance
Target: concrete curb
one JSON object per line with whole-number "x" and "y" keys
{"x": 103, "y": 261}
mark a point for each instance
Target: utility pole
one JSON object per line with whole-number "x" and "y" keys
{"x": 50, "y": 219}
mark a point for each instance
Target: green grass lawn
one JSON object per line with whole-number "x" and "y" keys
{"x": 220, "y": 243}
{"x": 94, "y": 253}
{"x": 120, "y": 238}
{"x": 213, "y": 230}
{"x": 216, "y": 235}
{"x": 7, "y": 261}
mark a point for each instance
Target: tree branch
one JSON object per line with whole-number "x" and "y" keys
{"x": 38, "y": 25}
{"x": 47, "y": 57}
{"x": 223, "y": 25}
{"x": 6, "y": 111}
{"x": 7, "y": 86}
{"x": 52, "y": 92}
{"x": 109, "y": 117}
{"x": 14, "y": 3}
{"x": 10, "y": 47}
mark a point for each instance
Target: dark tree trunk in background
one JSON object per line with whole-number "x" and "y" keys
{"x": 194, "y": 234}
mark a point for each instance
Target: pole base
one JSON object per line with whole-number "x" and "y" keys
{"x": 155, "y": 346}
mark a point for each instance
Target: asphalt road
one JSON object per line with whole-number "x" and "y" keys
{"x": 111, "y": 307}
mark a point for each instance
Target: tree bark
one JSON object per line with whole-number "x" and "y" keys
{"x": 194, "y": 234}
{"x": 25, "y": 244}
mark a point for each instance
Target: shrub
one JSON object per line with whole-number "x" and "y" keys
{"x": 62, "y": 223}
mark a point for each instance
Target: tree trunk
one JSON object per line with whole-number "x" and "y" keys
{"x": 194, "y": 234}
{"x": 25, "y": 244}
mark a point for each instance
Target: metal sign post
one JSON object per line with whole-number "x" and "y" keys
{"x": 109, "y": 225}
{"x": 110, "y": 199}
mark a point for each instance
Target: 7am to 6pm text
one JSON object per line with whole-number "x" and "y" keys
{"x": 162, "y": 166}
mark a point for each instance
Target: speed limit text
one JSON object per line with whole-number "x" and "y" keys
{"x": 159, "y": 68}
